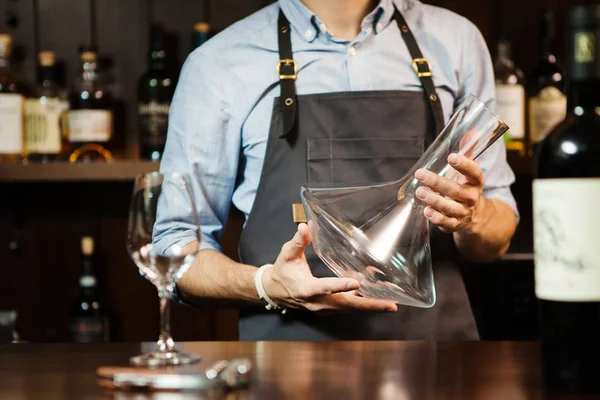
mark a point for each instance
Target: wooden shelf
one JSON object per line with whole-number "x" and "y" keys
{"x": 84, "y": 172}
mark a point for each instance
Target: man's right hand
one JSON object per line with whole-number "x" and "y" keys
{"x": 290, "y": 283}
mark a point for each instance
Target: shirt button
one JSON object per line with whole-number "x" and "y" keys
{"x": 352, "y": 51}
{"x": 308, "y": 33}
{"x": 323, "y": 28}
{"x": 379, "y": 27}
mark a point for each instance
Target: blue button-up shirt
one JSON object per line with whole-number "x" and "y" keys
{"x": 221, "y": 112}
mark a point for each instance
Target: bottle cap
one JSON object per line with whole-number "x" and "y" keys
{"x": 203, "y": 27}
{"x": 47, "y": 58}
{"x": 5, "y": 43}
{"x": 88, "y": 56}
{"x": 87, "y": 245}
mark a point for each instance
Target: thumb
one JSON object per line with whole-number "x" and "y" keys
{"x": 295, "y": 247}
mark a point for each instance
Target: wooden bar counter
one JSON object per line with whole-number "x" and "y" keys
{"x": 302, "y": 370}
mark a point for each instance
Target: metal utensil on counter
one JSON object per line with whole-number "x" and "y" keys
{"x": 222, "y": 376}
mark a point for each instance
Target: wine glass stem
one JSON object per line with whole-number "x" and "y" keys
{"x": 165, "y": 341}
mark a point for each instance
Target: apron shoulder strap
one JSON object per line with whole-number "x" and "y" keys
{"x": 423, "y": 71}
{"x": 287, "y": 70}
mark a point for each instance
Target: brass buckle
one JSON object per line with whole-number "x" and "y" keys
{"x": 286, "y": 62}
{"x": 421, "y": 61}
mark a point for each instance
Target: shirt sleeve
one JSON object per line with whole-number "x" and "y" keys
{"x": 203, "y": 140}
{"x": 477, "y": 77}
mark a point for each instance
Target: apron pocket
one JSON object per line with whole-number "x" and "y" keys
{"x": 339, "y": 162}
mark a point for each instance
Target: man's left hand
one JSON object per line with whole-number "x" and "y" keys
{"x": 452, "y": 203}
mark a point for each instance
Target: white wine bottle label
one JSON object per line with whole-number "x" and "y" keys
{"x": 546, "y": 110}
{"x": 90, "y": 125}
{"x": 566, "y": 220}
{"x": 11, "y": 123}
{"x": 511, "y": 103}
{"x": 43, "y": 132}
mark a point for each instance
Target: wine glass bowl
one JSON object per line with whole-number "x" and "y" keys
{"x": 158, "y": 202}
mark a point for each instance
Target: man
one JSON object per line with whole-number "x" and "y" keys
{"x": 352, "y": 79}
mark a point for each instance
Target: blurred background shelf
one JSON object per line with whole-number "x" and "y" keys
{"x": 66, "y": 172}
{"x": 521, "y": 165}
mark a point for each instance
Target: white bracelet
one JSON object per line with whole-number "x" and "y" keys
{"x": 269, "y": 304}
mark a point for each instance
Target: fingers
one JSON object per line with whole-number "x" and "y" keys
{"x": 468, "y": 168}
{"x": 325, "y": 286}
{"x": 445, "y": 205}
{"x": 468, "y": 195}
{"x": 445, "y": 223}
{"x": 295, "y": 248}
{"x": 350, "y": 301}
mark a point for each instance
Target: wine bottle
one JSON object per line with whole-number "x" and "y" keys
{"x": 547, "y": 99}
{"x": 45, "y": 113}
{"x": 12, "y": 96}
{"x": 155, "y": 92}
{"x": 91, "y": 115}
{"x": 566, "y": 194}
{"x": 87, "y": 320}
{"x": 200, "y": 34}
{"x": 510, "y": 96}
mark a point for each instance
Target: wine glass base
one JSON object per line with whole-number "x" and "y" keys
{"x": 163, "y": 359}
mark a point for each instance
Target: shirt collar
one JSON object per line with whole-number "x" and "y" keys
{"x": 309, "y": 26}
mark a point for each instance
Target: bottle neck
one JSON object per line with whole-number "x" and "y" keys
{"x": 88, "y": 71}
{"x": 199, "y": 38}
{"x": 157, "y": 60}
{"x": 4, "y": 62}
{"x": 583, "y": 96}
{"x": 47, "y": 77}
{"x": 546, "y": 48}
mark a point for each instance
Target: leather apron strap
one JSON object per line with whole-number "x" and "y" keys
{"x": 287, "y": 70}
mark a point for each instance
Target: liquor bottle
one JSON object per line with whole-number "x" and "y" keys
{"x": 88, "y": 322}
{"x": 510, "y": 96}
{"x": 566, "y": 194}
{"x": 45, "y": 113}
{"x": 200, "y": 34}
{"x": 11, "y": 106}
{"x": 547, "y": 99}
{"x": 90, "y": 119}
{"x": 155, "y": 92}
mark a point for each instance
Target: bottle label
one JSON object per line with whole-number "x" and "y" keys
{"x": 11, "y": 123}
{"x": 43, "y": 129}
{"x": 154, "y": 122}
{"x": 90, "y": 125}
{"x": 89, "y": 329}
{"x": 511, "y": 102}
{"x": 546, "y": 110}
{"x": 566, "y": 239}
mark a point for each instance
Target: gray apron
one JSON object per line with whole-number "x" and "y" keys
{"x": 338, "y": 139}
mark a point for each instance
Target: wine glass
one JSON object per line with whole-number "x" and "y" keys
{"x": 162, "y": 205}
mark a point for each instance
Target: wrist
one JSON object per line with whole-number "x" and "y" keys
{"x": 263, "y": 281}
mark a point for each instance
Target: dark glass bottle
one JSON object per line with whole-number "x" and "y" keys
{"x": 88, "y": 322}
{"x": 45, "y": 113}
{"x": 200, "y": 34}
{"x": 155, "y": 92}
{"x": 91, "y": 114}
{"x": 12, "y": 96}
{"x": 566, "y": 194}
{"x": 510, "y": 95}
{"x": 547, "y": 99}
